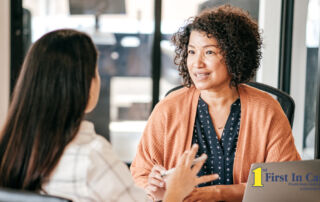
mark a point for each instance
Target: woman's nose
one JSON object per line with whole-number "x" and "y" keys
{"x": 198, "y": 61}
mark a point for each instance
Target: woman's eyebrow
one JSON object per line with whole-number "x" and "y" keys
{"x": 205, "y": 46}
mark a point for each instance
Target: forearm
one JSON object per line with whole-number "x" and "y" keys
{"x": 232, "y": 192}
{"x": 140, "y": 174}
{"x": 218, "y": 193}
{"x": 171, "y": 196}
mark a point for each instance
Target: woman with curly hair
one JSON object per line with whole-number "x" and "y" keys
{"x": 236, "y": 125}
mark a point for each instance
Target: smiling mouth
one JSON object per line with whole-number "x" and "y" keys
{"x": 201, "y": 76}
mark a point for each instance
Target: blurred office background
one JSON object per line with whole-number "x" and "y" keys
{"x": 136, "y": 56}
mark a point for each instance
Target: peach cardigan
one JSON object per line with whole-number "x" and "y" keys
{"x": 264, "y": 136}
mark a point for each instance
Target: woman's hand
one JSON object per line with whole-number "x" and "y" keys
{"x": 184, "y": 179}
{"x": 203, "y": 194}
{"x": 156, "y": 185}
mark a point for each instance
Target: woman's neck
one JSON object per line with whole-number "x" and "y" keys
{"x": 221, "y": 97}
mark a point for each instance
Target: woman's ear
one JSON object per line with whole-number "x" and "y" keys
{"x": 89, "y": 105}
{"x": 94, "y": 93}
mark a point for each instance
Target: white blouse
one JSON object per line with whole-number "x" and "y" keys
{"x": 90, "y": 171}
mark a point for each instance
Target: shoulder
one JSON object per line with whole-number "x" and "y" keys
{"x": 88, "y": 144}
{"x": 87, "y": 137}
{"x": 177, "y": 100}
{"x": 256, "y": 98}
{"x": 259, "y": 105}
{"x": 98, "y": 154}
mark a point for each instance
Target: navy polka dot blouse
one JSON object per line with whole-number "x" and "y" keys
{"x": 220, "y": 153}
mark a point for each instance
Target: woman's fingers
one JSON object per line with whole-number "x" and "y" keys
{"x": 155, "y": 175}
{"x": 191, "y": 154}
{"x": 182, "y": 159}
{"x": 157, "y": 169}
{"x": 155, "y": 178}
{"x": 186, "y": 159}
{"x": 206, "y": 178}
{"x": 156, "y": 182}
{"x": 196, "y": 168}
{"x": 151, "y": 188}
{"x": 156, "y": 172}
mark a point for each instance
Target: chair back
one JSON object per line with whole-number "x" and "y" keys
{"x": 285, "y": 100}
{"x": 12, "y": 195}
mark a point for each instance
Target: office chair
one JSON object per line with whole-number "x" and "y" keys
{"x": 12, "y": 195}
{"x": 285, "y": 100}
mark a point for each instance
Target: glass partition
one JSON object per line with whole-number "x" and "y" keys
{"x": 312, "y": 45}
{"x": 123, "y": 32}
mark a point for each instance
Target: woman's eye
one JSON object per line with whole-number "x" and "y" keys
{"x": 209, "y": 52}
{"x": 190, "y": 52}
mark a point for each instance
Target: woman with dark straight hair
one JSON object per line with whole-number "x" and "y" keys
{"x": 49, "y": 99}
{"x": 46, "y": 147}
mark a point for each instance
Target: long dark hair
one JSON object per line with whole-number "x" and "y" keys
{"x": 47, "y": 107}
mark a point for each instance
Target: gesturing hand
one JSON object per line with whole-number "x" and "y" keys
{"x": 156, "y": 184}
{"x": 184, "y": 179}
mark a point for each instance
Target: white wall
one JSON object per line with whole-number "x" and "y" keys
{"x": 4, "y": 58}
{"x": 298, "y": 69}
{"x": 269, "y": 23}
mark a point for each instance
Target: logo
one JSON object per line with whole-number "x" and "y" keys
{"x": 307, "y": 181}
{"x": 257, "y": 179}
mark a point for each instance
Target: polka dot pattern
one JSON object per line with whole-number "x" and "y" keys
{"x": 220, "y": 152}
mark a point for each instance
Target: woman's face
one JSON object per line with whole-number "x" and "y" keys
{"x": 205, "y": 62}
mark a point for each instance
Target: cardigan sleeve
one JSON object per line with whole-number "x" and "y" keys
{"x": 150, "y": 149}
{"x": 281, "y": 145}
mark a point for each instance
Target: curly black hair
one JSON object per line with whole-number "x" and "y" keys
{"x": 238, "y": 38}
